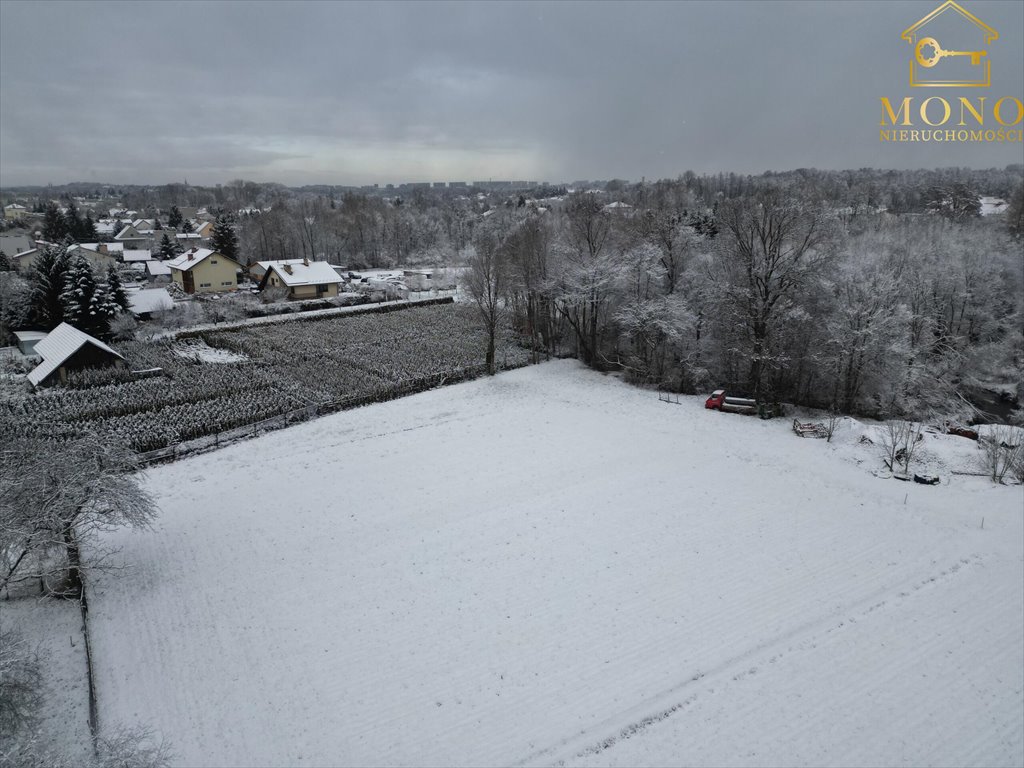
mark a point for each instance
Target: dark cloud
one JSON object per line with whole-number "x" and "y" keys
{"x": 355, "y": 93}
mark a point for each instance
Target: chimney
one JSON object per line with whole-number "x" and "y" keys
{"x": 305, "y": 261}
{"x": 102, "y": 248}
{"x": 288, "y": 268}
{"x": 192, "y": 254}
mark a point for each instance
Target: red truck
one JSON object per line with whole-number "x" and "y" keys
{"x": 720, "y": 401}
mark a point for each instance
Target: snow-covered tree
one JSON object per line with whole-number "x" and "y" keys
{"x": 115, "y": 290}
{"x": 225, "y": 239}
{"x": 85, "y": 301}
{"x": 47, "y": 279}
{"x": 168, "y": 248}
{"x": 54, "y": 498}
{"x": 771, "y": 247}
{"x": 485, "y": 282}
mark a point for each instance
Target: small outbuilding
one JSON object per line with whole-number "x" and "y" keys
{"x": 65, "y": 349}
{"x": 146, "y": 301}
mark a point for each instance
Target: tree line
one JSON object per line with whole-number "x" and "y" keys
{"x": 774, "y": 291}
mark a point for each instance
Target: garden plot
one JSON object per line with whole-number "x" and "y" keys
{"x": 261, "y": 371}
{"x": 549, "y": 566}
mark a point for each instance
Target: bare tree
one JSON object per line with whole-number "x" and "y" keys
{"x": 54, "y": 497}
{"x": 899, "y": 443}
{"x": 1002, "y": 452}
{"x": 485, "y": 281}
{"x": 772, "y": 247}
{"x": 26, "y": 744}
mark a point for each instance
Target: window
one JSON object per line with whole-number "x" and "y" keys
{"x": 321, "y": 288}
{"x": 227, "y": 282}
{"x": 206, "y": 285}
{"x": 213, "y": 261}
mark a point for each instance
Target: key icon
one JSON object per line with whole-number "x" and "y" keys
{"x": 938, "y": 53}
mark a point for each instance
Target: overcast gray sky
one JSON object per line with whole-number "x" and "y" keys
{"x": 352, "y": 93}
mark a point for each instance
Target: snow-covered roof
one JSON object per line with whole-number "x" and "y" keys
{"x": 15, "y": 207}
{"x": 111, "y": 247}
{"x": 191, "y": 257}
{"x": 157, "y": 268}
{"x": 60, "y": 344}
{"x": 123, "y": 232}
{"x": 189, "y": 236}
{"x": 297, "y": 272}
{"x": 143, "y": 254}
{"x": 150, "y": 300}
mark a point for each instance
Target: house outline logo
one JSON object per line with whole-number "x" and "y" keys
{"x": 928, "y": 53}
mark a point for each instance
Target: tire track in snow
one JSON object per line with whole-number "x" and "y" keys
{"x": 803, "y": 637}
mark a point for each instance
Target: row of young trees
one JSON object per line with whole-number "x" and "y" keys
{"x": 773, "y": 292}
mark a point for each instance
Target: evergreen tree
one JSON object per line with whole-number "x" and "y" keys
{"x": 47, "y": 283}
{"x": 88, "y": 232}
{"x": 115, "y": 290}
{"x": 5, "y": 263}
{"x": 187, "y": 226}
{"x": 54, "y": 225}
{"x": 167, "y": 249}
{"x": 73, "y": 224}
{"x": 86, "y": 303}
{"x": 225, "y": 239}
{"x": 175, "y": 218}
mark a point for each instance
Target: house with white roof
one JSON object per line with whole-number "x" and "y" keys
{"x": 131, "y": 237}
{"x": 99, "y": 255}
{"x": 13, "y": 212}
{"x": 303, "y": 278}
{"x": 200, "y": 270}
{"x": 66, "y": 349}
{"x": 146, "y": 301}
{"x": 204, "y": 230}
{"x": 135, "y": 256}
{"x": 158, "y": 271}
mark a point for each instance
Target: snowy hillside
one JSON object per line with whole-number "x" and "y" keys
{"x": 552, "y": 566}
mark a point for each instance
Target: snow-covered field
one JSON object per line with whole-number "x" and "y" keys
{"x": 551, "y": 566}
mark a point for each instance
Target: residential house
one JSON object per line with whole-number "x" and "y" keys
{"x": 65, "y": 349}
{"x": 99, "y": 255}
{"x": 303, "y": 278}
{"x": 204, "y": 230}
{"x": 200, "y": 270}
{"x": 131, "y": 237}
{"x": 14, "y": 212}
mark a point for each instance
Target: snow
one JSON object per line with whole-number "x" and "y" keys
{"x": 53, "y": 629}
{"x": 197, "y": 349}
{"x": 150, "y": 300}
{"x": 992, "y": 205}
{"x": 552, "y": 566}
